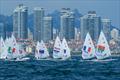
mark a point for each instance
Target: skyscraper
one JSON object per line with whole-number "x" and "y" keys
{"x": 106, "y": 27}
{"x": 38, "y": 23}
{"x": 67, "y": 26}
{"x": 77, "y": 33}
{"x": 20, "y": 19}
{"x": 63, "y": 26}
{"x": 30, "y": 34}
{"x": 71, "y": 26}
{"x": 2, "y": 31}
{"x": 65, "y": 11}
{"x": 47, "y": 29}
{"x": 55, "y": 33}
{"x": 90, "y": 23}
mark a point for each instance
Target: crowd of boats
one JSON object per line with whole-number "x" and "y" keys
{"x": 10, "y": 49}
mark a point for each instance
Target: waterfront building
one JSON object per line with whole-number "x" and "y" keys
{"x": 67, "y": 22}
{"x": 55, "y": 33}
{"x": 65, "y": 11}
{"x": 20, "y": 18}
{"x": 106, "y": 27}
{"x": 77, "y": 33}
{"x": 38, "y": 23}
{"x": 47, "y": 29}
{"x": 90, "y": 23}
{"x": 30, "y": 34}
{"x": 115, "y": 34}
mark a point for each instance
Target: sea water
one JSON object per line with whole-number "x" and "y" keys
{"x": 73, "y": 69}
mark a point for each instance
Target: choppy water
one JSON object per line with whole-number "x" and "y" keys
{"x": 75, "y": 69}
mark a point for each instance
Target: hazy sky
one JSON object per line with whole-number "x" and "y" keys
{"x": 104, "y": 8}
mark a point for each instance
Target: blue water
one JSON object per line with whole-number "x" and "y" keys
{"x": 74, "y": 69}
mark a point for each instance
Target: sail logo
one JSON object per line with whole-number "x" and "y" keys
{"x": 13, "y": 50}
{"x": 41, "y": 51}
{"x": 9, "y": 50}
{"x": 64, "y": 51}
{"x": 56, "y": 49}
{"x": 101, "y": 48}
{"x": 87, "y": 49}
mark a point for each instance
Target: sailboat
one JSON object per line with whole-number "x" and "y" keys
{"x": 14, "y": 50}
{"x": 42, "y": 52}
{"x": 88, "y": 50}
{"x": 65, "y": 50}
{"x": 57, "y": 49}
{"x": 102, "y": 50}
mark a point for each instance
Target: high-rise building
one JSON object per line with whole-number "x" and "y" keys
{"x": 115, "y": 34}
{"x": 63, "y": 26}
{"x": 55, "y": 33}
{"x": 65, "y": 11}
{"x": 67, "y": 26}
{"x": 47, "y": 29}
{"x": 106, "y": 27}
{"x": 77, "y": 33}
{"x": 38, "y": 23}
{"x": 20, "y": 18}
{"x": 90, "y": 23}
{"x": 71, "y": 26}
{"x": 2, "y": 31}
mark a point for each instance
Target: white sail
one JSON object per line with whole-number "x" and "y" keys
{"x": 88, "y": 50}
{"x": 65, "y": 50}
{"x": 42, "y": 51}
{"x": 15, "y": 51}
{"x": 3, "y": 51}
{"x": 6, "y": 40}
{"x": 57, "y": 48}
{"x": 37, "y": 50}
{"x": 13, "y": 39}
{"x": 102, "y": 50}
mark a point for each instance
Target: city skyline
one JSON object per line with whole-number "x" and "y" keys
{"x": 105, "y": 9}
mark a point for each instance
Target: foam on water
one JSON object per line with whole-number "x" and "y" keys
{"x": 61, "y": 70}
